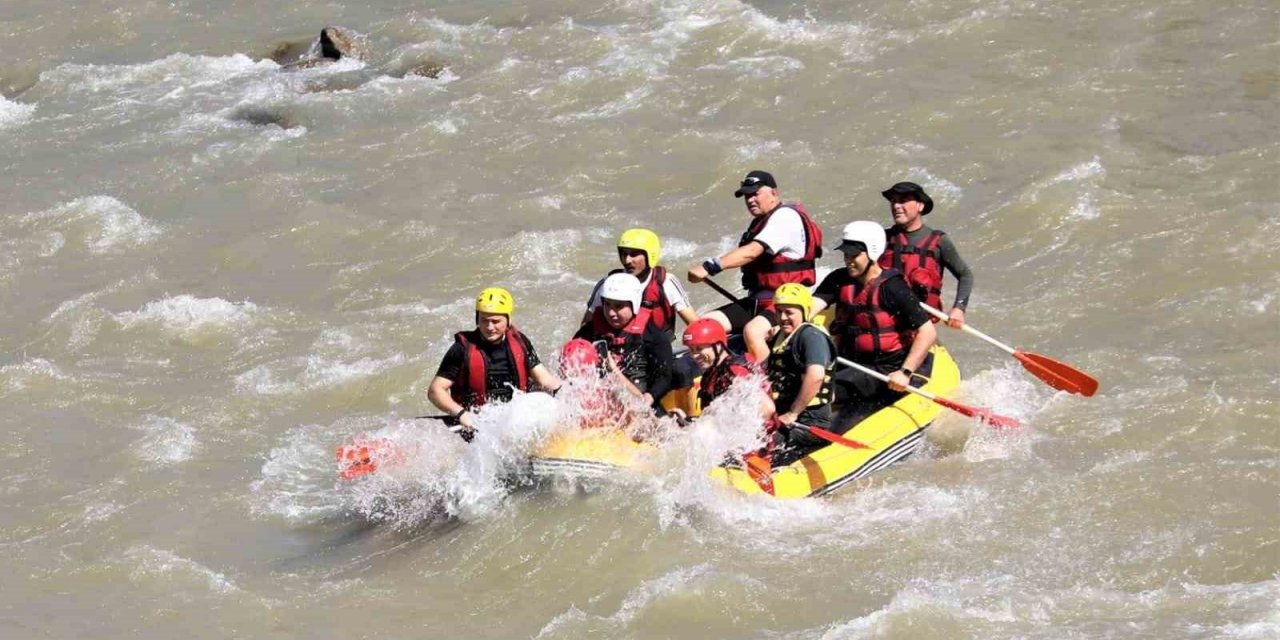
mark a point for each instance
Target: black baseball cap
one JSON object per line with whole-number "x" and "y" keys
{"x": 753, "y": 182}
{"x": 911, "y": 189}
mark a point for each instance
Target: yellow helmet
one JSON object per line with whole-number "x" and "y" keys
{"x": 642, "y": 240}
{"x": 495, "y": 300}
{"x": 795, "y": 295}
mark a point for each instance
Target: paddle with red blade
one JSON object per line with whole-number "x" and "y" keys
{"x": 981, "y": 413}
{"x": 831, "y": 436}
{"x": 1060, "y": 376}
{"x": 364, "y": 454}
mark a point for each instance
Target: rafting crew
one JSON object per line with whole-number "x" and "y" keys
{"x": 801, "y": 360}
{"x": 878, "y": 324}
{"x": 920, "y": 253}
{"x": 487, "y": 363}
{"x": 779, "y": 246}
{"x": 638, "y": 353}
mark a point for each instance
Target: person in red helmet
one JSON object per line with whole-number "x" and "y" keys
{"x": 709, "y": 346}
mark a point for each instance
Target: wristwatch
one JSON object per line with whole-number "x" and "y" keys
{"x": 907, "y": 371}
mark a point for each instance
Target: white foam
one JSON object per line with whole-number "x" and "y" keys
{"x": 30, "y": 373}
{"x": 13, "y": 114}
{"x": 189, "y": 317}
{"x": 167, "y": 442}
{"x": 159, "y": 565}
{"x": 169, "y": 77}
{"x": 435, "y": 474}
{"x": 102, "y": 223}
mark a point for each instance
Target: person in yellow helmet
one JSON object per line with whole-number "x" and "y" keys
{"x": 488, "y": 363}
{"x": 639, "y": 251}
{"x": 801, "y": 359}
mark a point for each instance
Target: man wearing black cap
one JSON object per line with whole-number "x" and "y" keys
{"x": 780, "y": 246}
{"x": 921, "y": 253}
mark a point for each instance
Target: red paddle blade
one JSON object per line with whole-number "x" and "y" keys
{"x": 831, "y": 436}
{"x": 1060, "y": 376}
{"x": 361, "y": 457}
{"x": 981, "y": 413}
{"x": 758, "y": 468}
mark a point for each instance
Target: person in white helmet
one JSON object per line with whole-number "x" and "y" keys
{"x": 639, "y": 353}
{"x": 878, "y": 324}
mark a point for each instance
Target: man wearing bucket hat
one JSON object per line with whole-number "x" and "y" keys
{"x": 487, "y": 363}
{"x": 878, "y": 324}
{"x": 921, "y": 253}
{"x": 780, "y": 246}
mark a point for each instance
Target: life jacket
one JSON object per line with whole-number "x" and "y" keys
{"x": 625, "y": 345}
{"x": 920, "y": 263}
{"x": 866, "y": 331}
{"x": 787, "y": 369}
{"x": 717, "y": 379}
{"x": 661, "y": 312}
{"x": 767, "y": 272}
{"x": 472, "y": 387}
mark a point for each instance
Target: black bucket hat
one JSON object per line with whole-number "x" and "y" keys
{"x": 912, "y": 189}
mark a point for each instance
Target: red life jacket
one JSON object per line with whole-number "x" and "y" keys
{"x": 865, "y": 329}
{"x": 766, "y": 272}
{"x": 472, "y": 388}
{"x": 661, "y": 312}
{"x": 717, "y": 379}
{"x": 920, "y": 264}
{"x": 625, "y": 343}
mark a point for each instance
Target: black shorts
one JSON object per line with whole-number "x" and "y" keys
{"x": 741, "y": 312}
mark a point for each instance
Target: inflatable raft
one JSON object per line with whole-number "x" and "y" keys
{"x": 891, "y": 434}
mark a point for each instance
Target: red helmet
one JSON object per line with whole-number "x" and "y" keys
{"x": 704, "y": 332}
{"x": 578, "y": 353}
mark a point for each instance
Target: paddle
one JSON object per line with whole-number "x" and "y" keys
{"x": 831, "y": 436}
{"x": 981, "y": 413}
{"x": 721, "y": 290}
{"x": 1060, "y": 376}
{"x": 362, "y": 456}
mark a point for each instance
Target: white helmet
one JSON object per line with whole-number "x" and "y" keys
{"x": 867, "y": 233}
{"x": 623, "y": 287}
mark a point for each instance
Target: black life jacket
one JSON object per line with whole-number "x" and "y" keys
{"x": 626, "y": 345}
{"x": 787, "y": 369}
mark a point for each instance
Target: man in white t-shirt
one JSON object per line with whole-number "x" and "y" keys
{"x": 780, "y": 246}
{"x": 664, "y": 296}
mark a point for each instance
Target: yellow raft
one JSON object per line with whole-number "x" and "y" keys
{"x": 893, "y": 433}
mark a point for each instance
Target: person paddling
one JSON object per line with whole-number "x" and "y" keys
{"x": 486, "y": 364}
{"x": 878, "y": 324}
{"x": 779, "y": 246}
{"x": 721, "y": 367}
{"x": 640, "y": 354}
{"x": 639, "y": 251}
{"x": 920, "y": 253}
{"x": 801, "y": 359}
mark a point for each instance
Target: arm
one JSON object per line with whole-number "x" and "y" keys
{"x": 734, "y": 259}
{"x": 546, "y": 379}
{"x": 688, "y": 315}
{"x": 951, "y": 261}
{"x": 809, "y": 387}
{"x": 438, "y": 394}
{"x": 926, "y": 334}
{"x": 659, "y": 360}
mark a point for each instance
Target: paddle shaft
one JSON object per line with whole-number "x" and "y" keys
{"x": 721, "y": 290}
{"x": 968, "y": 329}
